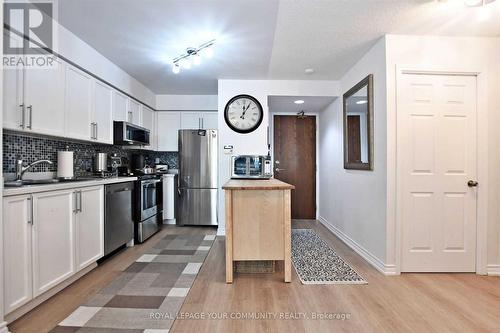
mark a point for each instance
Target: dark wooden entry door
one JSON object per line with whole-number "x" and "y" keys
{"x": 354, "y": 138}
{"x": 295, "y": 161}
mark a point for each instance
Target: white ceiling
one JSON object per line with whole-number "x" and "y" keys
{"x": 286, "y": 103}
{"x": 258, "y": 39}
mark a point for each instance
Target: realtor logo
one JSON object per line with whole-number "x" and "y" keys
{"x": 31, "y": 19}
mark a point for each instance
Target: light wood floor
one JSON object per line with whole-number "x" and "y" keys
{"x": 406, "y": 303}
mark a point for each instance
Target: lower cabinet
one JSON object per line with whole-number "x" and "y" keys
{"x": 49, "y": 237}
{"x": 18, "y": 283}
{"x": 89, "y": 225}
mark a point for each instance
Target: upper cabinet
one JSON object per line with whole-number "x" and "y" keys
{"x": 78, "y": 104}
{"x": 34, "y": 98}
{"x": 198, "y": 120}
{"x": 148, "y": 120}
{"x": 209, "y": 120}
{"x": 120, "y": 106}
{"x": 168, "y": 125}
{"x": 102, "y": 113}
{"x": 134, "y": 112}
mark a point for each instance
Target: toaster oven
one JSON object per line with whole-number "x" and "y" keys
{"x": 251, "y": 166}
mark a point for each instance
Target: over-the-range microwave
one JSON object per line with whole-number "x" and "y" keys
{"x": 250, "y": 167}
{"x": 125, "y": 133}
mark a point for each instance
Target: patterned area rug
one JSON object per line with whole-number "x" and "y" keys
{"x": 146, "y": 297}
{"x": 317, "y": 263}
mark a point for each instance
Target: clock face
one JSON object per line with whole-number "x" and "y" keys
{"x": 243, "y": 114}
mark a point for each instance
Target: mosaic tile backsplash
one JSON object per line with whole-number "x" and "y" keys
{"x": 30, "y": 148}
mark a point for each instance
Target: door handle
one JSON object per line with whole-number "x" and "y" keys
{"x": 278, "y": 169}
{"x": 30, "y": 109}
{"x": 472, "y": 183}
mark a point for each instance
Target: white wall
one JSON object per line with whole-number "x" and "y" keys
{"x": 186, "y": 102}
{"x": 451, "y": 54}
{"x": 256, "y": 142}
{"x": 353, "y": 203}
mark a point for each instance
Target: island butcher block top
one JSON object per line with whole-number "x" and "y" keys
{"x": 257, "y": 184}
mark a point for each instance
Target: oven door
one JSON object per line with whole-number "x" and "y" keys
{"x": 149, "y": 198}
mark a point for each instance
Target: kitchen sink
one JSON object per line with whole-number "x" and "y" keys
{"x": 19, "y": 183}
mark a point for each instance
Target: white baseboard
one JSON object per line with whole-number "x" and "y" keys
{"x": 221, "y": 231}
{"x": 364, "y": 253}
{"x": 3, "y": 327}
{"x": 493, "y": 270}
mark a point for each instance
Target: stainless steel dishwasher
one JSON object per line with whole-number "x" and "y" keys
{"x": 118, "y": 222}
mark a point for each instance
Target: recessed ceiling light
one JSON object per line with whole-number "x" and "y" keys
{"x": 309, "y": 70}
{"x": 364, "y": 101}
{"x": 299, "y": 101}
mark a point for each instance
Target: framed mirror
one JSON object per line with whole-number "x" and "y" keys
{"x": 358, "y": 126}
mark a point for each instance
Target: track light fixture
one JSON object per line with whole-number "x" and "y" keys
{"x": 193, "y": 56}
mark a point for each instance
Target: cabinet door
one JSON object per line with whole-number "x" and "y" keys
{"x": 103, "y": 112}
{"x": 53, "y": 239}
{"x": 148, "y": 122}
{"x": 209, "y": 120}
{"x": 13, "y": 110}
{"x": 44, "y": 99}
{"x": 89, "y": 226}
{"x": 17, "y": 251}
{"x": 168, "y": 125}
{"x": 134, "y": 114}
{"x": 120, "y": 106}
{"x": 78, "y": 104}
{"x": 191, "y": 120}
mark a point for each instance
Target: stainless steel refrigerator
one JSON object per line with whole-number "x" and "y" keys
{"x": 197, "y": 202}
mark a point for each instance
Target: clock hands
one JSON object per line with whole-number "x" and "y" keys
{"x": 244, "y": 111}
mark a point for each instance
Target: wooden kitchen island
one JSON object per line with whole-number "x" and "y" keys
{"x": 258, "y": 222}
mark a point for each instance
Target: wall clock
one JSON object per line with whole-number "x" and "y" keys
{"x": 243, "y": 114}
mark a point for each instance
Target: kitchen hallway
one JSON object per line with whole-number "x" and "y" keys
{"x": 410, "y": 302}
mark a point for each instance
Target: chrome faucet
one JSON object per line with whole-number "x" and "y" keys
{"x": 21, "y": 169}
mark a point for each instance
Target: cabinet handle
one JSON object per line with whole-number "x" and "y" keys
{"x": 23, "y": 116}
{"x": 80, "y": 201}
{"x": 30, "y": 109}
{"x": 91, "y": 130}
{"x": 30, "y": 206}
{"x": 96, "y": 131}
{"x": 202, "y": 123}
{"x": 75, "y": 203}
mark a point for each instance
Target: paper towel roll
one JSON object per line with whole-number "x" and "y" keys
{"x": 65, "y": 164}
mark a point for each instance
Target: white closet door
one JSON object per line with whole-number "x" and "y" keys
{"x": 437, "y": 140}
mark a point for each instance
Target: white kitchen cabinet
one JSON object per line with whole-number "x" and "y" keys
{"x": 209, "y": 120}
{"x": 134, "y": 112}
{"x": 53, "y": 239}
{"x": 168, "y": 125}
{"x": 190, "y": 120}
{"x": 148, "y": 122}
{"x": 13, "y": 108}
{"x": 44, "y": 99}
{"x": 48, "y": 237}
{"x": 89, "y": 225}
{"x": 17, "y": 219}
{"x": 102, "y": 114}
{"x": 199, "y": 120}
{"x": 120, "y": 106}
{"x": 78, "y": 104}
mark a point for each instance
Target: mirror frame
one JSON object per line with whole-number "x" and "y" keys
{"x": 368, "y": 82}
